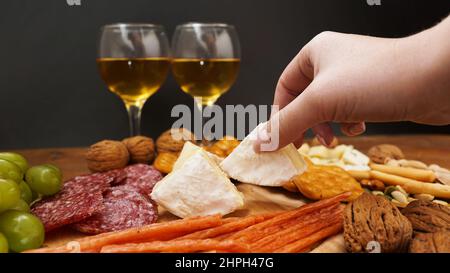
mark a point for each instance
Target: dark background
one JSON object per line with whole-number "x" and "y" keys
{"x": 52, "y": 95}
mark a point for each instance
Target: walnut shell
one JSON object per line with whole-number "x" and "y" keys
{"x": 427, "y": 216}
{"x": 381, "y": 153}
{"x": 437, "y": 242}
{"x": 172, "y": 140}
{"x": 140, "y": 148}
{"x": 107, "y": 155}
{"x": 372, "y": 220}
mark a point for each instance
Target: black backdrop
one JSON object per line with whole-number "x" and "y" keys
{"x": 51, "y": 94}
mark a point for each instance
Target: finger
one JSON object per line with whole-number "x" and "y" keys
{"x": 353, "y": 129}
{"x": 299, "y": 141}
{"x": 297, "y": 75}
{"x": 292, "y": 121}
{"x": 324, "y": 133}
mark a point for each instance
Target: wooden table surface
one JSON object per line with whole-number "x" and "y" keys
{"x": 427, "y": 148}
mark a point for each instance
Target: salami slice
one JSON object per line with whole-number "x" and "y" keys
{"x": 67, "y": 207}
{"x": 79, "y": 198}
{"x": 97, "y": 181}
{"x": 143, "y": 177}
{"x": 124, "y": 208}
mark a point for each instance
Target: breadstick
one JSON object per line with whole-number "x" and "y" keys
{"x": 413, "y": 186}
{"x": 416, "y": 174}
{"x": 359, "y": 175}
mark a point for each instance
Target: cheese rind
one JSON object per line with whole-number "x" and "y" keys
{"x": 266, "y": 168}
{"x": 197, "y": 188}
{"x": 190, "y": 149}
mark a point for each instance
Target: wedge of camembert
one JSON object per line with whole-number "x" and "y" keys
{"x": 188, "y": 150}
{"x": 266, "y": 168}
{"x": 197, "y": 187}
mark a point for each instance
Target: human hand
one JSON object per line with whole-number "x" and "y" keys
{"x": 351, "y": 79}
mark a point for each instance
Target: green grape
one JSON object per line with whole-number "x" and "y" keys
{"x": 9, "y": 170}
{"x": 9, "y": 194}
{"x": 17, "y": 159}
{"x": 3, "y": 244}
{"x": 25, "y": 192}
{"x": 44, "y": 179}
{"x": 21, "y": 206}
{"x": 22, "y": 230}
{"x": 54, "y": 168}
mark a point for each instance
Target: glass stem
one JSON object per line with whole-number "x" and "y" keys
{"x": 134, "y": 116}
{"x": 205, "y": 135}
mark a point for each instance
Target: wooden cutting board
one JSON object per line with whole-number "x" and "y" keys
{"x": 427, "y": 148}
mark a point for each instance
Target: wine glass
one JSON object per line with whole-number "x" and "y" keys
{"x": 133, "y": 60}
{"x": 206, "y": 59}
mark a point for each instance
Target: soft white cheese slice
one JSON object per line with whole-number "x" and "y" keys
{"x": 196, "y": 188}
{"x": 190, "y": 149}
{"x": 266, "y": 168}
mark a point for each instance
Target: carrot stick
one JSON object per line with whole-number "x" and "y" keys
{"x": 278, "y": 227}
{"x": 254, "y": 232}
{"x": 232, "y": 226}
{"x": 296, "y": 233}
{"x": 304, "y": 244}
{"x": 266, "y": 216}
{"x": 153, "y": 232}
{"x": 300, "y": 228}
{"x": 186, "y": 246}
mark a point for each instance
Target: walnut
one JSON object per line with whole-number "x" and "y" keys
{"x": 172, "y": 140}
{"x": 373, "y": 219}
{"x": 427, "y": 216}
{"x": 164, "y": 162}
{"x": 437, "y": 242}
{"x": 383, "y": 152}
{"x": 107, "y": 155}
{"x": 140, "y": 148}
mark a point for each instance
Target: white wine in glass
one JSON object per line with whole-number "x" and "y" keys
{"x": 133, "y": 62}
{"x": 206, "y": 59}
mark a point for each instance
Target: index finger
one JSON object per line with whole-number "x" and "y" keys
{"x": 297, "y": 75}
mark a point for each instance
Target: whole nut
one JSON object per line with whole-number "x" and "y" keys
{"x": 140, "y": 148}
{"x": 107, "y": 155}
{"x": 399, "y": 196}
{"x": 172, "y": 140}
{"x": 380, "y": 153}
{"x": 424, "y": 197}
{"x": 373, "y": 218}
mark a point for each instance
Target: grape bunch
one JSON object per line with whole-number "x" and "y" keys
{"x": 20, "y": 187}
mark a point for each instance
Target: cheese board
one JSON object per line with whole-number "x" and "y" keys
{"x": 430, "y": 149}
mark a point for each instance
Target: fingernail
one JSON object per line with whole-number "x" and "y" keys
{"x": 357, "y": 129}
